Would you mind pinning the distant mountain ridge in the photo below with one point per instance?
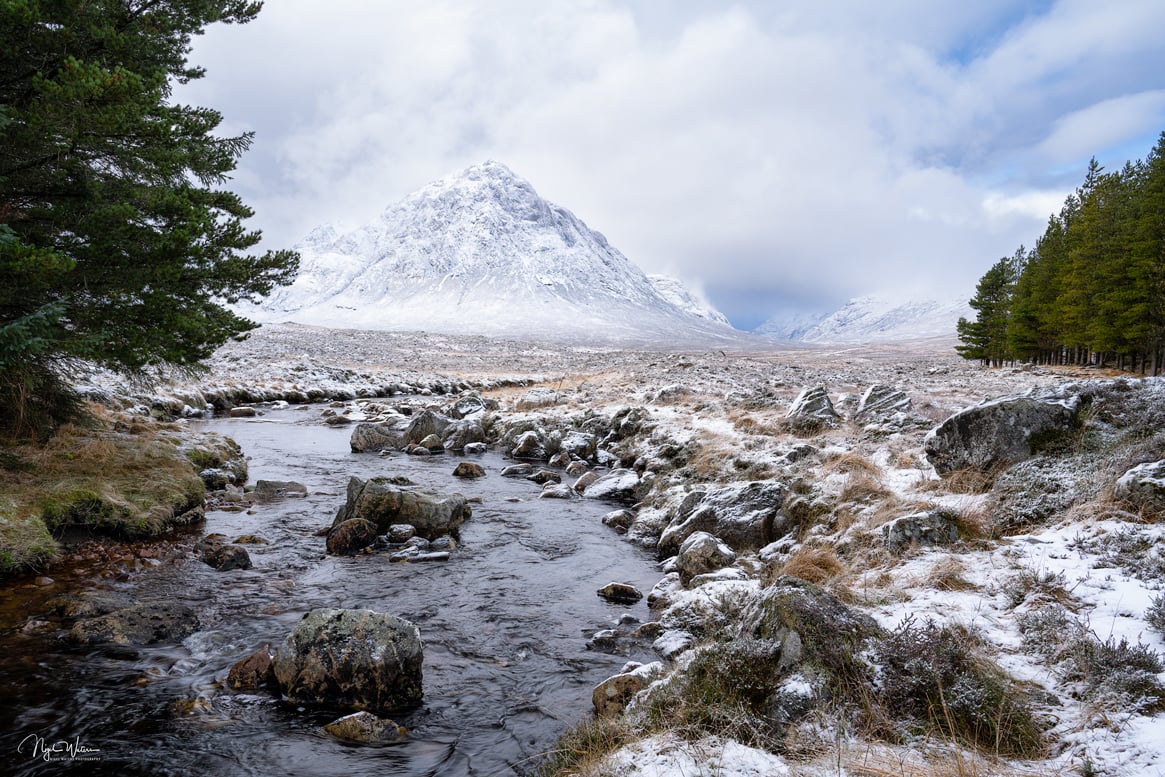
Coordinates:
(480, 252)
(873, 319)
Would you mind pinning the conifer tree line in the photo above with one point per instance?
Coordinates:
(1092, 291)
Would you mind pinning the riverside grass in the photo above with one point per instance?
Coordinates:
(116, 476)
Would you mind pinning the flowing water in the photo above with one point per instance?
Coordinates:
(505, 624)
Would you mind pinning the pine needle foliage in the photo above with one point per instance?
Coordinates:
(118, 244)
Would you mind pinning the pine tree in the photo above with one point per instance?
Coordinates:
(117, 244)
(985, 338)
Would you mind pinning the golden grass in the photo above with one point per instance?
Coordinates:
(102, 477)
(851, 463)
(814, 564)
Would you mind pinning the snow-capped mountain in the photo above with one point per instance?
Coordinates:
(480, 252)
(875, 319)
(677, 293)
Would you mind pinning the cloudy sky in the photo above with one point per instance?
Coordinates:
(781, 156)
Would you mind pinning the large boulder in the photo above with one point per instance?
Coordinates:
(1000, 432)
(580, 445)
(462, 433)
(358, 659)
(424, 424)
(382, 435)
(812, 411)
(746, 516)
(701, 553)
(383, 502)
(349, 537)
(618, 484)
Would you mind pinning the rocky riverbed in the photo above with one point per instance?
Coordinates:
(845, 575)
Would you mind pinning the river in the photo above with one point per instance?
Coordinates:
(505, 624)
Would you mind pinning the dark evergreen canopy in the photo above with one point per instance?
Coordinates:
(118, 243)
(1093, 289)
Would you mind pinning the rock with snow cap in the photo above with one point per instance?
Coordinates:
(812, 410)
(1000, 431)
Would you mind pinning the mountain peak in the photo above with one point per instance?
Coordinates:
(479, 251)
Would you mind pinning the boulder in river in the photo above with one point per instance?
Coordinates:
(358, 659)
(365, 728)
(253, 673)
(351, 536)
(141, 624)
(383, 502)
(426, 424)
(620, 593)
(217, 552)
(468, 469)
(378, 436)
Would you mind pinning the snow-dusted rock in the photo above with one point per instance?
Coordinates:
(1143, 485)
(618, 484)
(1000, 431)
(672, 643)
(929, 527)
(580, 445)
(460, 434)
(701, 553)
(536, 398)
(812, 410)
(528, 445)
(743, 515)
(880, 403)
(612, 695)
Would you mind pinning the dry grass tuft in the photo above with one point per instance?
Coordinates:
(948, 575)
(814, 564)
(746, 423)
(863, 488)
(851, 463)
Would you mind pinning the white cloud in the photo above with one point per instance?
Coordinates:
(764, 149)
(1107, 123)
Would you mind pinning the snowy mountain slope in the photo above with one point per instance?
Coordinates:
(677, 293)
(875, 319)
(481, 253)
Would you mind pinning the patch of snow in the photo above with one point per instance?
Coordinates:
(669, 756)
